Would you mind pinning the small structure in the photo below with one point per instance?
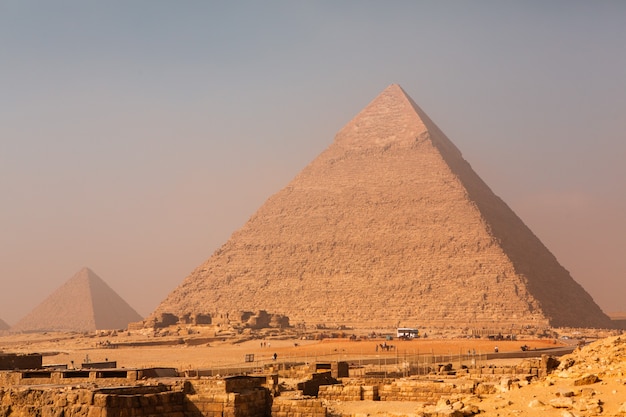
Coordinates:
(99, 365)
(10, 361)
(407, 333)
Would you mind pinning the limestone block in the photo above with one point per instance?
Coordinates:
(85, 396)
(535, 403)
(564, 392)
(591, 405)
(587, 380)
(562, 402)
(51, 411)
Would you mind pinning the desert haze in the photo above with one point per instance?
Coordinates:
(135, 138)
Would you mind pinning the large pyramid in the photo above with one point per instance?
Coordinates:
(84, 303)
(388, 226)
(3, 325)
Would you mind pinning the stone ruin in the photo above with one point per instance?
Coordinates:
(237, 320)
(166, 392)
(444, 389)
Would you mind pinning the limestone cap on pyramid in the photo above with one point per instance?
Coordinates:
(83, 303)
(388, 226)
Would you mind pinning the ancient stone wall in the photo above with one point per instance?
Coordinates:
(236, 397)
(397, 390)
(424, 391)
(216, 404)
(298, 407)
(201, 398)
(485, 371)
(484, 380)
(167, 404)
(340, 392)
(68, 402)
(66, 377)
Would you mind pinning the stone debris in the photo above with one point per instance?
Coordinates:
(562, 402)
(588, 382)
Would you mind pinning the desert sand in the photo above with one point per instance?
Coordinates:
(134, 351)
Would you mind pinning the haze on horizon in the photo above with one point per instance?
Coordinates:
(136, 137)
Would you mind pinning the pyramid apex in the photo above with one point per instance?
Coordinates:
(391, 119)
(394, 87)
(85, 273)
(85, 270)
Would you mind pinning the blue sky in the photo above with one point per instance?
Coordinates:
(135, 137)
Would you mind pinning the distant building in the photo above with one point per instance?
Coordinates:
(407, 333)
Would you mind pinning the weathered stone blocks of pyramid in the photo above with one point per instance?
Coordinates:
(388, 226)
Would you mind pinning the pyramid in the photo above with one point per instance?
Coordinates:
(84, 303)
(388, 226)
(3, 325)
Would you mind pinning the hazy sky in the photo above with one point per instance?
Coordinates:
(135, 137)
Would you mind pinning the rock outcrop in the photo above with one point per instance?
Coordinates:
(388, 226)
(587, 382)
(84, 303)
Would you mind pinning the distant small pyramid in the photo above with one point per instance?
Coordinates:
(388, 226)
(4, 325)
(84, 303)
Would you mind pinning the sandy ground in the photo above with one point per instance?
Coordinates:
(63, 349)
